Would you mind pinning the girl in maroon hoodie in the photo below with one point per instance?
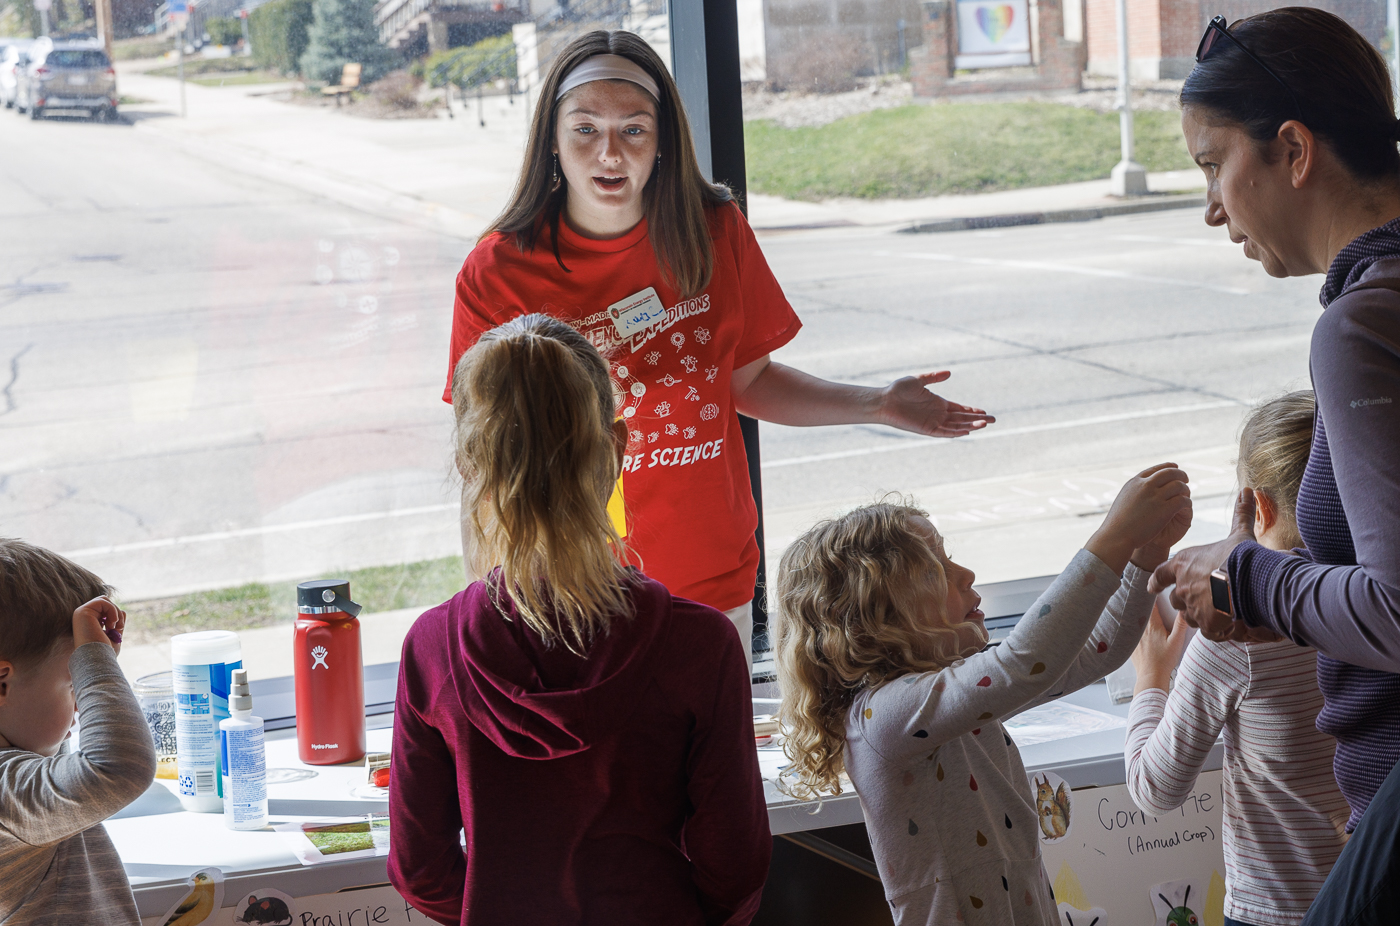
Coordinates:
(586, 733)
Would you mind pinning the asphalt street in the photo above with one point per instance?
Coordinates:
(208, 378)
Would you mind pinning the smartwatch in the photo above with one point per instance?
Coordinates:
(1220, 591)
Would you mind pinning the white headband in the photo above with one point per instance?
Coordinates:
(608, 67)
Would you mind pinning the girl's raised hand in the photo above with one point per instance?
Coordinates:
(1158, 652)
(908, 404)
(1155, 552)
(1141, 514)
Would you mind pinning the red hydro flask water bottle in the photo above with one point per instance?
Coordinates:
(330, 675)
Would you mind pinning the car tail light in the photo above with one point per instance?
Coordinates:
(41, 71)
(111, 72)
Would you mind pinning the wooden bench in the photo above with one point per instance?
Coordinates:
(349, 80)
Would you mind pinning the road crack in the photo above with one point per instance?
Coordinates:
(8, 391)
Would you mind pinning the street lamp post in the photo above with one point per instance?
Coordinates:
(1128, 177)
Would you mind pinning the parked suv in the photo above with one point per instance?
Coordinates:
(64, 75)
(12, 61)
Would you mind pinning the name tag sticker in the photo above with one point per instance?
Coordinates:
(637, 312)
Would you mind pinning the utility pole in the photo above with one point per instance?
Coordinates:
(180, 65)
(102, 9)
(1128, 177)
(179, 13)
(43, 7)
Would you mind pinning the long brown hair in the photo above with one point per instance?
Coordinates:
(535, 447)
(853, 612)
(675, 197)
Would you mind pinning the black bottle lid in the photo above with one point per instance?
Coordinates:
(321, 595)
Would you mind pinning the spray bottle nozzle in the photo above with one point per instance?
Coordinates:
(239, 698)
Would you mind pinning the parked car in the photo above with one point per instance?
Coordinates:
(12, 58)
(67, 76)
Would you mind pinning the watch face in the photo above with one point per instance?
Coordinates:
(1220, 590)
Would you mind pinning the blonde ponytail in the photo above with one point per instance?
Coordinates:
(535, 447)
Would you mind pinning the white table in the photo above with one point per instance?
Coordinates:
(161, 844)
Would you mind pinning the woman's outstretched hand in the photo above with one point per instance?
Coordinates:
(909, 405)
(1190, 571)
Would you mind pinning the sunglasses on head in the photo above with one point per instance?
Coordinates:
(1211, 40)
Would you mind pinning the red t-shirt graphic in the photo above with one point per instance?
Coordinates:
(690, 512)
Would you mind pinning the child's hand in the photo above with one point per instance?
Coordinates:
(1158, 652)
(99, 621)
(1145, 506)
(1155, 552)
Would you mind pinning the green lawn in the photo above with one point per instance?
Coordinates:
(218, 72)
(382, 588)
(927, 150)
(239, 77)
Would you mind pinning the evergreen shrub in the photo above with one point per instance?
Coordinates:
(224, 31)
(343, 32)
(485, 61)
(277, 31)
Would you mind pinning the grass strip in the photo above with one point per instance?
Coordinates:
(220, 67)
(929, 150)
(238, 78)
(380, 588)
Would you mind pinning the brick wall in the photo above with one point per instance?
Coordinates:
(824, 45)
(1059, 66)
(1163, 34)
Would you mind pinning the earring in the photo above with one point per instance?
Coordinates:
(556, 170)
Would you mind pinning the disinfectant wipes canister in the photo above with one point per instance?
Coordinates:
(202, 664)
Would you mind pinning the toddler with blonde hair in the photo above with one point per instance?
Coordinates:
(1284, 816)
(886, 675)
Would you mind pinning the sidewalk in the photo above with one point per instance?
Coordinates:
(453, 175)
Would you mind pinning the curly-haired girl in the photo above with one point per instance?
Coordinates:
(886, 675)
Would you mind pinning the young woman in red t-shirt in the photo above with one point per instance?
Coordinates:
(613, 229)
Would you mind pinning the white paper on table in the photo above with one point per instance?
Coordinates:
(375, 828)
(1059, 720)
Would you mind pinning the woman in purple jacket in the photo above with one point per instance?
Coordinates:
(1291, 116)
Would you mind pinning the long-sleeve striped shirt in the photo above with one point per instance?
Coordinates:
(1284, 817)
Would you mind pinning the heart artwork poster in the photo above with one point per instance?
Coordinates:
(993, 27)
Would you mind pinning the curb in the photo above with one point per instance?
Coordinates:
(1156, 204)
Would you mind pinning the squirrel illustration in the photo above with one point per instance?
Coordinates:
(1053, 808)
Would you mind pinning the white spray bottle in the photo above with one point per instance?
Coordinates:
(244, 760)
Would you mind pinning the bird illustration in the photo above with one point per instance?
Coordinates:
(197, 907)
(1182, 915)
(1053, 808)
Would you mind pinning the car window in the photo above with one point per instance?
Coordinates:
(76, 58)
